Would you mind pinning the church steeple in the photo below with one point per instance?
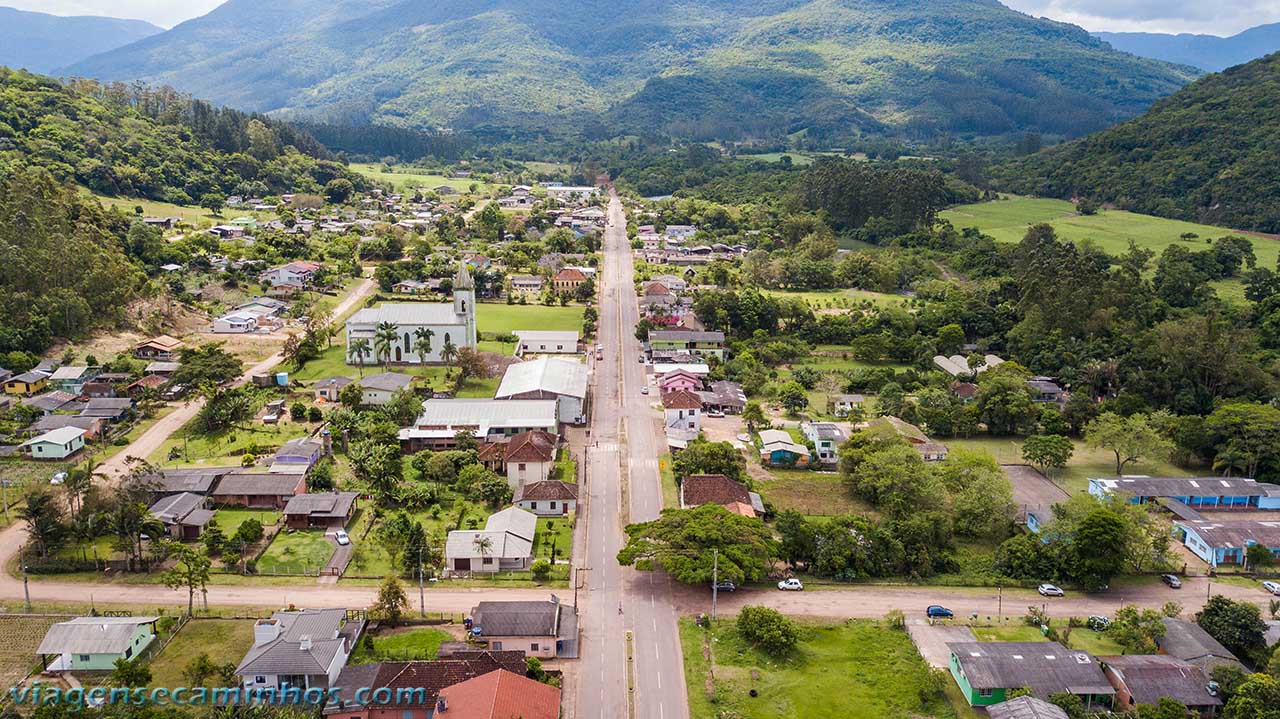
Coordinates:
(463, 281)
(464, 304)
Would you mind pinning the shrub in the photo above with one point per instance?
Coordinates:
(541, 569)
(768, 630)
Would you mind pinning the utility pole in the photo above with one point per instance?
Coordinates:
(26, 590)
(422, 597)
(715, 580)
(999, 604)
(4, 498)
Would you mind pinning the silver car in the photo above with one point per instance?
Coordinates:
(1049, 590)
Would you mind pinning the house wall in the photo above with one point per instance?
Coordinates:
(106, 662)
(222, 326)
(975, 697)
(542, 647)
(26, 388)
(49, 450)
(522, 473)
(545, 508)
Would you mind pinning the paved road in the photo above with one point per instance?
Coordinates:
(151, 440)
(624, 486)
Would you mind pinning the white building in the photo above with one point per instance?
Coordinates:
(378, 389)
(546, 342)
(505, 544)
(487, 419)
(236, 323)
(562, 380)
(453, 324)
(306, 648)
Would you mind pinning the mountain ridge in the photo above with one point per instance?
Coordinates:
(1211, 53)
(831, 67)
(40, 42)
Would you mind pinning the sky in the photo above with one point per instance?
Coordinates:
(1219, 17)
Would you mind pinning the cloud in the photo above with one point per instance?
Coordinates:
(1226, 17)
(165, 13)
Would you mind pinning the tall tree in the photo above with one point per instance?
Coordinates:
(686, 542)
(1130, 439)
(190, 572)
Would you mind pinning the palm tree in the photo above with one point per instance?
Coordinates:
(384, 338)
(1229, 459)
(360, 348)
(483, 544)
(423, 336)
(449, 352)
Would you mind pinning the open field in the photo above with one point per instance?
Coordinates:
(22, 636)
(1111, 230)
(402, 645)
(814, 494)
(1083, 638)
(496, 318)
(297, 552)
(225, 447)
(224, 640)
(855, 669)
(404, 177)
(840, 299)
(1085, 463)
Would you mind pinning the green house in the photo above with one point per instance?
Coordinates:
(988, 672)
(699, 344)
(87, 644)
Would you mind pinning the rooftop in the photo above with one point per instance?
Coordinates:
(1187, 486)
(1044, 667)
(92, 635)
(684, 336)
(518, 618)
(407, 313)
(699, 489)
(546, 374)
(1149, 677)
(1233, 533)
(386, 381)
(501, 694)
(547, 490)
(1026, 708)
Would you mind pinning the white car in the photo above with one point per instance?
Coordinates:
(1049, 590)
(341, 537)
(790, 585)
(644, 390)
(1273, 587)
(714, 413)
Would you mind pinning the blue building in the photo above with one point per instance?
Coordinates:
(1225, 542)
(1195, 492)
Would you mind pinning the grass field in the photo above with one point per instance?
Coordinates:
(403, 178)
(495, 318)
(224, 640)
(1007, 221)
(403, 645)
(301, 552)
(229, 520)
(1085, 463)
(226, 447)
(1082, 638)
(840, 299)
(814, 494)
(855, 669)
(22, 638)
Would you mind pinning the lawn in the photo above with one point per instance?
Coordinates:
(1085, 463)
(224, 640)
(854, 669)
(566, 467)
(670, 492)
(296, 552)
(814, 494)
(404, 177)
(496, 318)
(18, 474)
(402, 645)
(840, 299)
(1082, 638)
(332, 363)
(224, 447)
(229, 520)
(480, 388)
(196, 216)
(557, 533)
(1007, 221)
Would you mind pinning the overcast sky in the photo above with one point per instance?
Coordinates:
(1218, 17)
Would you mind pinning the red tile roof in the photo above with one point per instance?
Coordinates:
(569, 274)
(656, 288)
(535, 446)
(682, 399)
(548, 490)
(501, 695)
(699, 489)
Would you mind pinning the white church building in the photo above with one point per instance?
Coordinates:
(448, 324)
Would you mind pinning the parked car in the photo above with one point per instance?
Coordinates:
(644, 390)
(341, 537)
(1099, 623)
(1273, 587)
(714, 413)
(58, 478)
(1171, 580)
(937, 611)
(790, 585)
(726, 586)
(1049, 590)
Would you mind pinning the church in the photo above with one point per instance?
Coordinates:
(447, 324)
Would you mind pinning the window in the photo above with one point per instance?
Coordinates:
(521, 467)
(985, 692)
(533, 647)
(259, 680)
(534, 505)
(553, 505)
(84, 657)
(128, 652)
(488, 560)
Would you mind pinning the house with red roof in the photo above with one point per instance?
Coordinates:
(500, 694)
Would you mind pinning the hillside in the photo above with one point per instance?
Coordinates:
(40, 42)
(697, 68)
(155, 144)
(1207, 52)
(1206, 154)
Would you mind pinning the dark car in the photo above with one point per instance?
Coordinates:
(937, 611)
(1171, 580)
(726, 586)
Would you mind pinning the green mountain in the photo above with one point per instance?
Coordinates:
(1207, 52)
(1206, 154)
(40, 42)
(692, 68)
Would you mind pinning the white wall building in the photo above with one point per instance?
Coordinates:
(456, 323)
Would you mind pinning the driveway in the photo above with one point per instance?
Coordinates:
(932, 639)
(1032, 491)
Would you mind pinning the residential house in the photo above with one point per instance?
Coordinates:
(1026, 707)
(5, 375)
(987, 672)
(1189, 642)
(161, 369)
(549, 498)
(236, 323)
(324, 510)
(966, 391)
(72, 379)
(258, 490)
(1196, 492)
(680, 380)
(413, 688)
(196, 480)
(682, 412)
(546, 342)
(150, 382)
(452, 324)
(50, 402)
(724, 396)
(778, 449)
(411, 287)
(1147, 678)
(184, 515)
(162, 347)
(329, 388)
(675, 283)
(931, 451)
(27, 383)
(526, 285)
(92, 426)
(701, 344)
(548, 378)
(296, 274)
(529, 457)
(826, 438)
(655, 292)
(306, 649)
(543, 629)
(500, 694)
(111, 409)
(94, 644)
(487, 419)
(378, 389)
(842, 405)
(958, 365)
(680, 232)
(505, 544)
(297, 455)
(1224, 542)
(568, 280)
(699, 489)
(566, 193)
(55, 444)
(1044, 389)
